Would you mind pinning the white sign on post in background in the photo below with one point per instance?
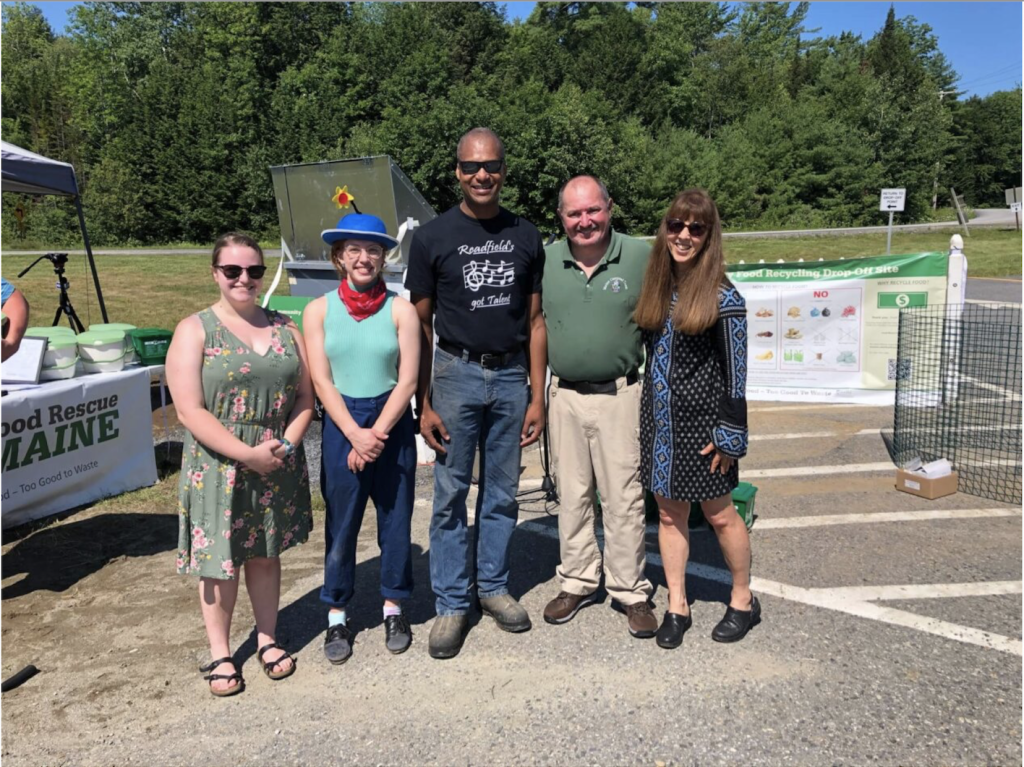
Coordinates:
(892, 200)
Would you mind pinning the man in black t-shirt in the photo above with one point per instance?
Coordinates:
(474, 275)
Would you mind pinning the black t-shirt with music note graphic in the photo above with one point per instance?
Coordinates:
(480, 273)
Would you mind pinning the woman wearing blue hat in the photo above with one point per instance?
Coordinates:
(363, 343)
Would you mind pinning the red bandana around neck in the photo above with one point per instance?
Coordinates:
(365, 304)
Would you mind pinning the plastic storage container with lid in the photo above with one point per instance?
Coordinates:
(61, 351)
(101, 351)
(124, 327)
(150, 344)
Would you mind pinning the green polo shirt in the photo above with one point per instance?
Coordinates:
(591, 333)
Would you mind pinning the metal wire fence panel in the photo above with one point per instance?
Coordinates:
(958, 394)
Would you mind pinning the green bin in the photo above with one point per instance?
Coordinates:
(150, 344)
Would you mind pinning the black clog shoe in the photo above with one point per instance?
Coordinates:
(670, 635)
(736, 623)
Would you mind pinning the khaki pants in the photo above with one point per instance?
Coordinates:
(597, 437)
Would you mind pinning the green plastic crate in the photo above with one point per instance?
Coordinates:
(150, 344)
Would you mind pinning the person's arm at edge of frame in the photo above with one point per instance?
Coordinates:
(16, 308)
(537, 358)
(409, 341)
(185, 381)
(368, 444)
(301, 415)
(430, 422)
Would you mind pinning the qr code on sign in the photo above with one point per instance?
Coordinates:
(898, 370)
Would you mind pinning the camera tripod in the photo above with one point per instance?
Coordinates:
(59, 261)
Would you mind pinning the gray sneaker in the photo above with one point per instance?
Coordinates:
(507, 613)
(446, 636)
(338, 644)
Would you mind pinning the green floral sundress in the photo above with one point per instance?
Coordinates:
(228, 514)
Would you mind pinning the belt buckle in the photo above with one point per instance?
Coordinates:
(486, 360)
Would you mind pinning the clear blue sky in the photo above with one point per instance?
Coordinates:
(981, 40)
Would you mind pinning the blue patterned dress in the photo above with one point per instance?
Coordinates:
(695, 393)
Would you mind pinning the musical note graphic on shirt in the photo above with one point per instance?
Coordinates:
(478, 274)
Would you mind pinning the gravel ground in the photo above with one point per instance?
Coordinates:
(93, 602)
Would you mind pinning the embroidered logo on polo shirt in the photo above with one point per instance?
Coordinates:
(616, 285)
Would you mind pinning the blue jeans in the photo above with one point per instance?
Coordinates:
(390, 482)
(485, 407)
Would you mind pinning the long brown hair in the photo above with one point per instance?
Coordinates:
(697, 305)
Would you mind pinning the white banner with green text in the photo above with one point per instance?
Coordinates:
(826, 331)
(67, 443)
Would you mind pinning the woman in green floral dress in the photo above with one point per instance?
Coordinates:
(241, 386)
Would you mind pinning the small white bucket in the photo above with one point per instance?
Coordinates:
(59, 373)
(109, 366)
(101, 346)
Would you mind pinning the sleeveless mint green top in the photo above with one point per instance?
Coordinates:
(363, 355)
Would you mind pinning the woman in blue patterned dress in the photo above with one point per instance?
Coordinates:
(693, 417)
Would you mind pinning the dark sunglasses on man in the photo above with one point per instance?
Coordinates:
(471, 168)
(234, 271)
(676, 226)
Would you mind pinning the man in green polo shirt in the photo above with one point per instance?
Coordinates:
(591, 286)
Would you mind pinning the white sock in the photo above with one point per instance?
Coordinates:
(392, 610)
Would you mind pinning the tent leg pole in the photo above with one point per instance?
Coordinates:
(92, 262)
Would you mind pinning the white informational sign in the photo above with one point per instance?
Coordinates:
(827, 331)
(893, 200)
(67, 443)
(24, 366)
(1014, 195)
(1015, 207)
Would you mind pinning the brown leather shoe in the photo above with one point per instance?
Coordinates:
(642, 622)
(564, 607)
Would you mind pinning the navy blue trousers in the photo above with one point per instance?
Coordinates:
(390, 482)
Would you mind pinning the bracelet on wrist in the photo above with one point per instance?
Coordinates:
(289, 448)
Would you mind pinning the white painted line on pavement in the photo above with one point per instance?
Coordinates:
(802, 471)
(1014, 396)
(928, 591)
(825, 520)
(814, 435)
(817, 406)
(872, 432)
(828, 599)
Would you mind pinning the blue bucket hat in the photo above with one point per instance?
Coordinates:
(360, 226)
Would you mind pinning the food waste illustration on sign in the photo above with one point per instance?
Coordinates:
(828, 332)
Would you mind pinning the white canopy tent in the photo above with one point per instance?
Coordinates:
(30, 173)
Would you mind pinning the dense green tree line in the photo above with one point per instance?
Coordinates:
(172, 112)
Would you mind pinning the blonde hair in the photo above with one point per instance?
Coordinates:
(697, 285)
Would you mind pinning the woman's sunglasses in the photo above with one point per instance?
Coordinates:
(471, 168)
(234, 271)
(676, 226)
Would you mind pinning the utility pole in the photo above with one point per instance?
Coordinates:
(938, 163)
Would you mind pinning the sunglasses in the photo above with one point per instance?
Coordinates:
(471, 168)
(234, 271)
(675, 226)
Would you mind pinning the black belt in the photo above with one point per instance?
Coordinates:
(597, 387)
(483, 359)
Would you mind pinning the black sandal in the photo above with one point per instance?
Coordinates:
(275, 675)
(211, 678)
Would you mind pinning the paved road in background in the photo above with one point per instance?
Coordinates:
(983, 217)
